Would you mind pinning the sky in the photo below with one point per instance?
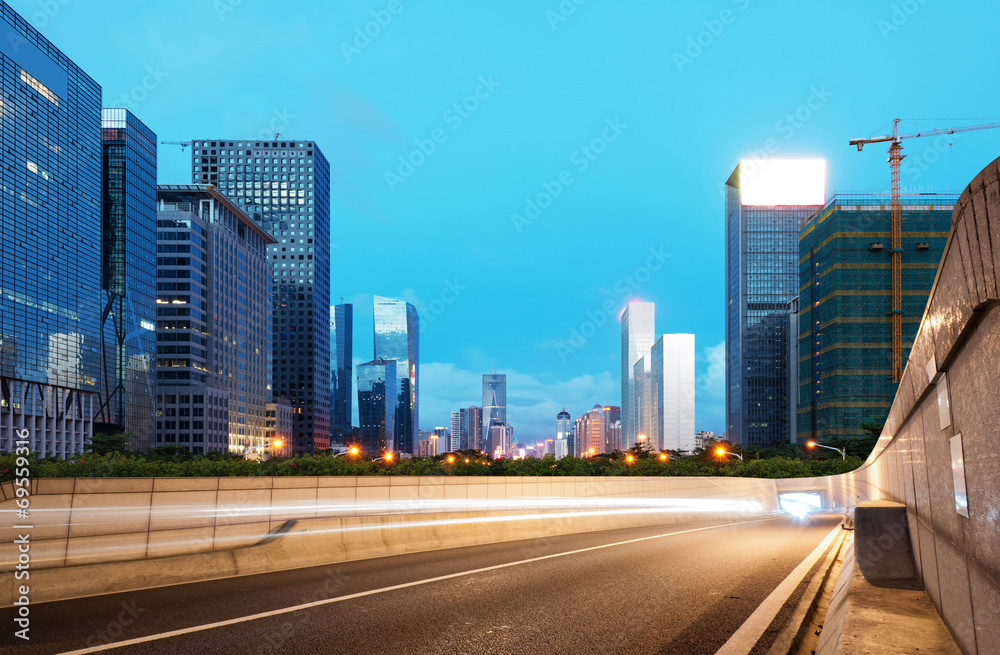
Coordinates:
(520, 170)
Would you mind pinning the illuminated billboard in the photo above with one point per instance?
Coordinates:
(783, 182)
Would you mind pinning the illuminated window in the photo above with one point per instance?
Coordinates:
(38, 86)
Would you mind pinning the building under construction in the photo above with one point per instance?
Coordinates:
(845, 308)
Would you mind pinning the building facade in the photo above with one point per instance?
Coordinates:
(50, 244)
(766, 203)
(845, 278)
(612, 428)
(475, 427)
(213, 322)
(590, 432)
(341, 369)
(285, 187)
(397, 336)
(279, 426)
(672, 393)
(128, 280)
(377, 404)
(637, 336)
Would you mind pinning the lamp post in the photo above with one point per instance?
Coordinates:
(842, 451)
(353, 450)
(250, 450)
(388, 457)
(722, 451)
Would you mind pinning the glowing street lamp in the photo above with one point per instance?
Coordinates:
(664, 457)
(842, 451)
(722, 452)
(353, 451)
(252, 449)
(388, 457)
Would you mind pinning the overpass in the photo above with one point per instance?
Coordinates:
(938, 460)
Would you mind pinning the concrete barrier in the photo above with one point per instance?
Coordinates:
(882, 541)
(110, 535)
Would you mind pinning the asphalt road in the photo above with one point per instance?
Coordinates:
(683, 593)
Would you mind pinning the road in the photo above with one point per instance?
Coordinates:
(681, 588)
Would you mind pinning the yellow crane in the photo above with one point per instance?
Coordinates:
(896, 156)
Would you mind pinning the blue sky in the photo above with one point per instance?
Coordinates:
(629, 115)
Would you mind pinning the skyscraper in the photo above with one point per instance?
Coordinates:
(213, 326)
(672, 392)
(459, 427)
(642, 397)
(637, 336)
(494, 404)
(766, 202)
(397, 336)
(564, 424)
(50, 243)
(128, 266)
(285, 187)
(377, 404)
(475, 428)
(590, 432)
(845, 332)
(341, 368)
(612, 428)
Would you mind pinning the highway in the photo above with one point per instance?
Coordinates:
(680, 588)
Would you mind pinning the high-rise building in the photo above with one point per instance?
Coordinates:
(642, 396)
(397, 336)
(766, 201)
(637, 336)
(475, 428)
(612, 436)
(564, 425)
(459, 426)
(213, 322)
(377, 405)
(494, 404)
(285, 187)
(845, 332)
(341, 369)
(672, 392)
(501, 440)
(590, 432)
(278, 426)
(50, 243)
(128, 267)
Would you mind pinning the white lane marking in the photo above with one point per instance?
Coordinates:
(372, 592)
(744, 639)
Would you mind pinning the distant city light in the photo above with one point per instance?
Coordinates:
(783, 182)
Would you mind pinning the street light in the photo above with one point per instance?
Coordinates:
(251, 449)
(664, 457)
(387, 457)
(722, 451)
(842, 451)
(353, 450)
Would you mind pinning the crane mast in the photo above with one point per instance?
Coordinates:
(896, 157)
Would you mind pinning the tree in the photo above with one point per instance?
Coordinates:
(104, 444)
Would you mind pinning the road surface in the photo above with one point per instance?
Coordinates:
(681, 588)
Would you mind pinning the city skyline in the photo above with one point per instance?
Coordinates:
(806, 108)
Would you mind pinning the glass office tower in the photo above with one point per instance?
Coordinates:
(397, 336)
(766, 202)
(341, 369)
(285, 187)
(637, 336)
(50, 243)
(494, 406)
(377, 406)
(128, 261)
(845, 333)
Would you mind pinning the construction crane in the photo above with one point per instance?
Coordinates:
(896, 156)
(185, 144)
